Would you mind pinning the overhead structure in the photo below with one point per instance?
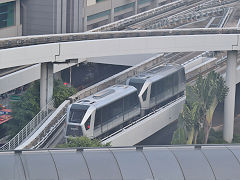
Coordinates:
(59, 48)
(173, 162)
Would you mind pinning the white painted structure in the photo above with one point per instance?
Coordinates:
(120, 43)
(59, 52)
(26, 75)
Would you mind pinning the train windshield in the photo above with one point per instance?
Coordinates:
(77, 113)
(138, 84)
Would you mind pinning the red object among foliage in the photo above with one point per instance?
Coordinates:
(5, 115)
(5, 112)
(5, 118)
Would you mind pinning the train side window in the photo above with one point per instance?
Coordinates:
(175, 79)
(153, 90)
(144, 96)
(130, 101)
(106, 114)
(182, 76)
(87, 123)
(117, 107)
(98, 118)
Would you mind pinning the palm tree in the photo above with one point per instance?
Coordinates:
(189, 121)
(210, 91)
(201, 102)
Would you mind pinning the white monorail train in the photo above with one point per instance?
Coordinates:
(108, 110)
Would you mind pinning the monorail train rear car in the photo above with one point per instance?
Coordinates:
(159, 85)
(98, 114)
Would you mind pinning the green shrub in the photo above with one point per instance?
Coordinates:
(82, 141)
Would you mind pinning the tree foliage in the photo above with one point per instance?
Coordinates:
(24, 109)
(189, 120)
(83, 141)
(201, 102)
(61, 92)
(29, 104)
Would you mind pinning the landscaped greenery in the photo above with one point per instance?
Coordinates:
(29, 105)
(195, 122)
(83, 141)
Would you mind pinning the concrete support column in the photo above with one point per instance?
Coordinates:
(17, 13)
(64, 16)
(75, 16)
(84, 15)
(58, 17)
(112, 12)
(17, 18)
(229, 102)
(136, 6)
(46, 84)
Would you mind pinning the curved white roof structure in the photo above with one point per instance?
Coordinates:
(169, 163)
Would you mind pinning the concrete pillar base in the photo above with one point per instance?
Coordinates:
(229, 102)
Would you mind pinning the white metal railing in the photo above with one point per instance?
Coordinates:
(30, 127)
(184, 18)
(47, 134)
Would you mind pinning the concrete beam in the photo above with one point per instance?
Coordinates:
(147, 45)
(85, 45)
(28, 55)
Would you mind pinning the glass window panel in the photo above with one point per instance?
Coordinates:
(112, 110)
(39, 165)
(98, 15)
(153, 90)
(120, 8)
(116, 107)
(102, 165)
(144, 96)
(223, 162)
(7, 14)
(143, 1)
(106, 114)
(201, 170)
(163, 164)
(133, 165)
(98, 119)
(87, 123)
(11, 167)
(130, 101)
(76, 116)
(138, 84)
(3, 8)
(70, 165)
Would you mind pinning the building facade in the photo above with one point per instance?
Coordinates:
(36, 17)
(10, 18)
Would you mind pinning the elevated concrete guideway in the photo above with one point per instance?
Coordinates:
(58, 48)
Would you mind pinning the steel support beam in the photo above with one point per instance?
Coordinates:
(229, 103)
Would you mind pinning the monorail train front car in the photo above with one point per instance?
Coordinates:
(98, 114)
(159, 85)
